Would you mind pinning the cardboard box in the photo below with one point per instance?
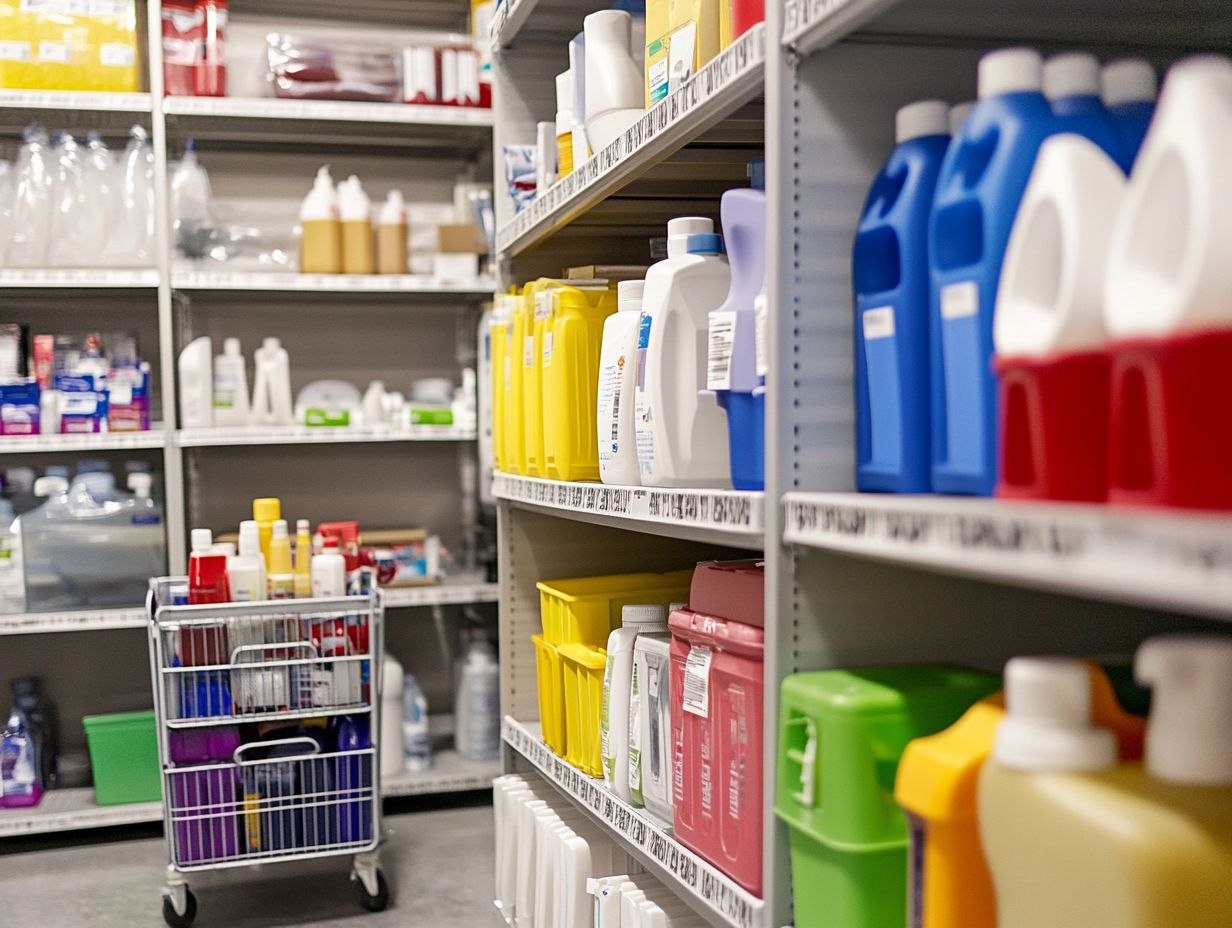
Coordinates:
(691, 39)
(460, 238)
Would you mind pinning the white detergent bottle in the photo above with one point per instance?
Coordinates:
(617, 684)
(374, 405)
(196, 384)
(271, 394)
(617, 378)
(230, 385)
(246, 571)
(681, 436)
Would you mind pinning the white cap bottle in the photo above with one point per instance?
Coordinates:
(1071, 74)
(1010, 70)
(679, 230)
(922, 118)
(391, 236)
(320, 247)
(355, 210)
(246, 571)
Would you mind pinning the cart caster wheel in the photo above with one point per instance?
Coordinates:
(377, 903)
(176, 919)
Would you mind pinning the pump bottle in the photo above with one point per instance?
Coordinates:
(320, 246)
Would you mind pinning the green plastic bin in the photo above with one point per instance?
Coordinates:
(124, 756)
(841, 735)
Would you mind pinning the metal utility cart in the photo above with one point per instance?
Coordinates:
(268, 735)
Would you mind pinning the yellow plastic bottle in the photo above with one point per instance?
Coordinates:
(280, 574)
(498, 330)
(570, 346)
(1074, 840)
(303, 560)
(537, 307)
(950, 886)
(265, 512)
(519, 326)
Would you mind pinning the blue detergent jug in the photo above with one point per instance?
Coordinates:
(891, 278)
(1129, 90)
(731, 370)
(982, 180)
(1072, 88)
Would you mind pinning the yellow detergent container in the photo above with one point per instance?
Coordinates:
(498, 332)
(537, 310)
(570, 346)
(514, 433)
(950, 886)
(1073, 839)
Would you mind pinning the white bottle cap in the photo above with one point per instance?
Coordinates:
(353, 203)
(280, 528)
(1009, 70)
(393, 210)
(271, 343)
(45, 486)
(231, 346)
(321, 203)
(924, 117)
(302, 525)
(1047, 726)
(1071, 74)
(629, 294)
(643, 615)
(141, 485)
(1189, 734)
(958, 115)
(202, 539)
(679, 230)
(250, 538)
(1129, 80)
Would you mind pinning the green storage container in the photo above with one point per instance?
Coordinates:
(841, 735)
(124, 756)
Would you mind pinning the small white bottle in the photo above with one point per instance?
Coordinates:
(617, 681)
(393, 680)
(617, 377)
(246, 571)
(320, 244)
(374, 405)
(355, 209)
(231, 386)
(329, 571)
(271, 395)
(196, 384)
(416, 738)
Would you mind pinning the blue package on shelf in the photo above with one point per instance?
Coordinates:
(982, 180)
(19, 408)
(83, 406)
(892, 286)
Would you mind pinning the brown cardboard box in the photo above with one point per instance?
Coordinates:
(461, 238)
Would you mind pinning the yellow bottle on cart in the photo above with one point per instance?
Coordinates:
(937, 781)
(513, 433)
(572, 339)
(1074, 839)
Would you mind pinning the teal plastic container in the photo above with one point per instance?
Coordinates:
(124, 757)
(841, 735)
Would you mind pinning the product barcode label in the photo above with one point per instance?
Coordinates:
(878, 323)
(115, 55)
(960, 300)
(616, 418)
(58, 52)
(761, 308)
(544, 304)
(719, 356)
(14, 51)
(548, 341)
(528, 351)
(697, 680)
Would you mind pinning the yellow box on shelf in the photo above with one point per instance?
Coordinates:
(69, 45)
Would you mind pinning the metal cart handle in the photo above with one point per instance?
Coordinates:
(274, 646)
(301, 739)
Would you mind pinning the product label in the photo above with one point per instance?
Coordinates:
(611, 387)
(719, 354)
(878, 323)
(697, 680)
(115, 55)
(605, 725)
(738, 757)
(548, 341)
(14, 51)
(528, 351)
(635, 731)
(657, 72)
(545, 304)
(680, 54)
(960, 300)
(642, 409)
(58, 52)
(762, 315)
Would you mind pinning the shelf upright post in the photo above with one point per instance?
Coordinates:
(173, 462)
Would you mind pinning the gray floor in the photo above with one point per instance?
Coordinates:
(438, 863)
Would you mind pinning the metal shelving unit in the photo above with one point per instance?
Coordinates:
(401, 285)
(75, 101)
(274, 436)
(82, 620)
(87, 278)
(155, 437)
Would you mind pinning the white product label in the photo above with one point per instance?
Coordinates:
(697, 680)
(108, 7)
(658, 79)
(115, 55)
(14, 51)
(680, 54)
(528, 351)
(548, 342)
(58, 52)
(545, 304)
(761, 309)
(606, 754)
(611, 394)
(878, 323)
(635, 729)
(643, 413)
(721, 345)
(960, 300)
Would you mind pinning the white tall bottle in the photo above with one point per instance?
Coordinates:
(477, 706)
(230, 385)
(616, 100)
(681, 436)
(393, 678)
(246, 571)
(196, 384)
(329, 571)
(271, 394)
(617, 380)
(617, 682)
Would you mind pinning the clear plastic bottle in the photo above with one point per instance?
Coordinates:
(67, 205)
(415, 738)
(190, 203)
(32, 203)
(131, 243)
(477, 705)
(100, 199)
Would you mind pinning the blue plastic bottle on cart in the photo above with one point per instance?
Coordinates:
(731, 370)
(982, 180)
(1072, 89)
(890, 273)
(1129, 91)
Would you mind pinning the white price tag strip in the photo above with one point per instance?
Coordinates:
(729, 74)
(77, 277)
(726, 900)
(724, 510)
(38, 622)
(804, 16)
(1169, 559)
(343, 111)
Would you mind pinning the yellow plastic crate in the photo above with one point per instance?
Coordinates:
(550, 675)
(584, 610)
(583, 666)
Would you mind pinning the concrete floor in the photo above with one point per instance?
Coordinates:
(438, 864)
